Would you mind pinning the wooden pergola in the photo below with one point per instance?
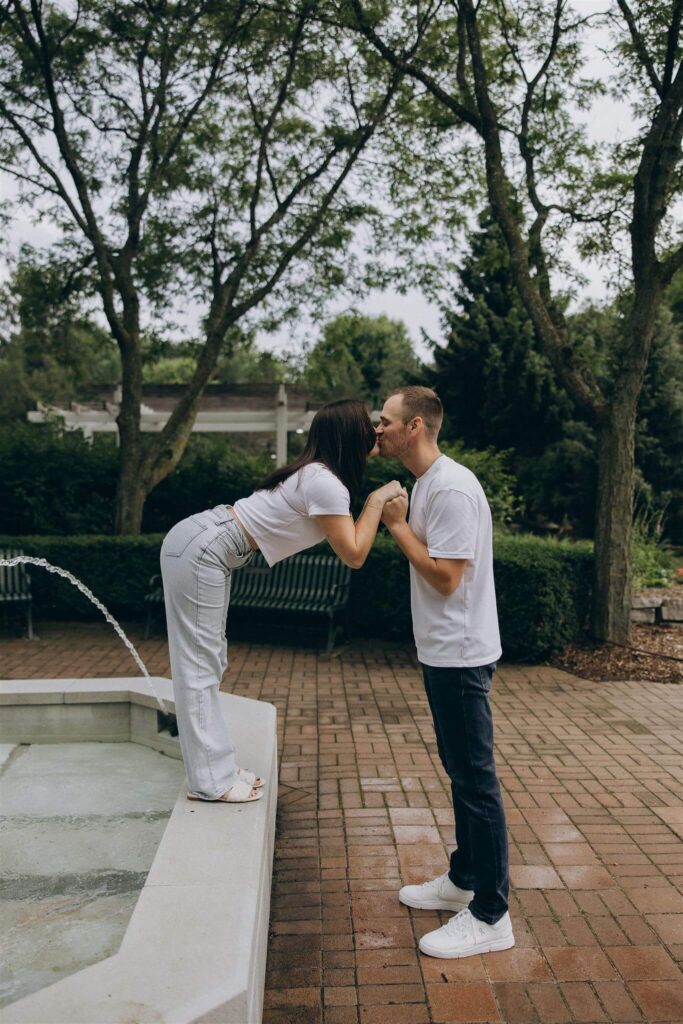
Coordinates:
(274, 416)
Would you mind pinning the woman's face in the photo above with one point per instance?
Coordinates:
(374, 450)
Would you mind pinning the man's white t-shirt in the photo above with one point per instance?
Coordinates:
(450, 514)
(280, 521)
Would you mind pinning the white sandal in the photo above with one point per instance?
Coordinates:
(246, 775)
(240, 793)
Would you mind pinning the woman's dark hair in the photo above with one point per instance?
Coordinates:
(341, 437)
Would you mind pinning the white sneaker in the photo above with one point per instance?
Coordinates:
(465, 935)
(438, 894)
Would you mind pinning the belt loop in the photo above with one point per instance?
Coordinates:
(223, 514)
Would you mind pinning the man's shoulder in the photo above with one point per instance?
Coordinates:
(453, 476)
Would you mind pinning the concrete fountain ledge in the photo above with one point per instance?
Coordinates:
(195, 947)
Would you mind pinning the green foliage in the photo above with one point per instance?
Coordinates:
(204, 161)
(652, 562)
(361, 357)
(542, 586)
(211, 473)
(167, 362)
(116, 569)
(54, 482)
(492, 377)
(543, 593)
(169, 370)
(492, 469)
(499, 390)
(51, 350)
(653, 565)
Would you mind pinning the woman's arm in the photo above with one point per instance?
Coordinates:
(352, 541)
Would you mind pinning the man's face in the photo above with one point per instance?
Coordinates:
(392, 433)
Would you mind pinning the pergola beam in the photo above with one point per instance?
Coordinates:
(277, 420)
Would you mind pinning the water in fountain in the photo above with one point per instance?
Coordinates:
(43, 564)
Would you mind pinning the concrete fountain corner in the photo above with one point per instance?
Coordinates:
(195, 946)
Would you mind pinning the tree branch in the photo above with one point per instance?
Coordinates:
(672, 44)
(59, 189)
(671, 265)
(41, 52)
(224, 313)
(277, 107)
(404, 66)
(640, 46)
(581, 384)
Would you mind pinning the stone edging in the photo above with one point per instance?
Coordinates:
(648, 609)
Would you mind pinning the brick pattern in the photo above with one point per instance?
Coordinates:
(592, 782)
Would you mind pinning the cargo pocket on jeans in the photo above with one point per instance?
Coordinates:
(181, 535)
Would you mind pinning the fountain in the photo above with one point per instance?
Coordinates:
(194, 947)
(42, 563)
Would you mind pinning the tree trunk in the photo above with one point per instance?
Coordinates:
(131, 494)
(131, 486)
(614, 522)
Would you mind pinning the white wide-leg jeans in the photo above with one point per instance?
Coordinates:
(197, 559)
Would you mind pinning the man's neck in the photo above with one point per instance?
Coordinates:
(420, 459)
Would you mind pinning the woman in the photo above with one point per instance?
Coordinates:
(296, 507)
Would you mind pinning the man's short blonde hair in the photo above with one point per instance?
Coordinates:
(419, 401)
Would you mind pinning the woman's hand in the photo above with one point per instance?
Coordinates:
(385, 493)
(352, 541)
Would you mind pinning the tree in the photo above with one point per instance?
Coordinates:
(512, 72)
(190, 153)
(499, 390)
(51, 349)
(361, 356)
(497, 386)
(169, 362)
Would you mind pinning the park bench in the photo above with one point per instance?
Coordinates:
(15, 587)
(307, 583)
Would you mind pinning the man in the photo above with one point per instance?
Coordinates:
(448, 542)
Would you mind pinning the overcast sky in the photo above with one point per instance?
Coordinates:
(608, 120)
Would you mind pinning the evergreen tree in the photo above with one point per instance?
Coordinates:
(499, 390)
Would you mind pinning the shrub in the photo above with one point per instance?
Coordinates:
(55, 483)
(543, 590)
(116, 569)
(212, 472)
(542, 586)
(653, 565)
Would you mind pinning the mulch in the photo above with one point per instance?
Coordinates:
(655, 654)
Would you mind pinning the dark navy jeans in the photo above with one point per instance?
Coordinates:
(459, 701)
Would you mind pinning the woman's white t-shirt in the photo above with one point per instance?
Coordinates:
(281, 521)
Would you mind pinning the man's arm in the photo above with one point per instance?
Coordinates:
(444, 574)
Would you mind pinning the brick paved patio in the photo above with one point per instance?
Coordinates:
(593, 783)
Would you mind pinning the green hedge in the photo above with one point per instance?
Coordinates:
(116, 569)
(55, 483)
(543, 586)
